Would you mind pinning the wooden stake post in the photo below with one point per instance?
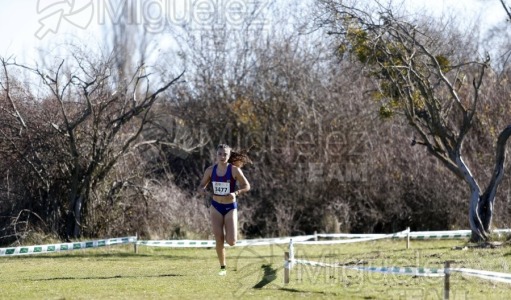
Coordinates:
(135, 246)
(286, 267)
(447, 272)
(408, 238)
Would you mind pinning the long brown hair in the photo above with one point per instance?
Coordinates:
(238, 158)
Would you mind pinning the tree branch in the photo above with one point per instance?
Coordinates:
(506, 9)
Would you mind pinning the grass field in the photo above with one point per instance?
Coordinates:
(256, 272)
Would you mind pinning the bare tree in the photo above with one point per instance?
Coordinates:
(96, 121)
(420, 77)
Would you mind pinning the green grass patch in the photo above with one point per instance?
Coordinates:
(253, 272)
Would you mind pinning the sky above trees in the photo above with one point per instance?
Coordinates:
(35, 27)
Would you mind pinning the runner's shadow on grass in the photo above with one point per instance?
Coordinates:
(269, 276)
(104, 277)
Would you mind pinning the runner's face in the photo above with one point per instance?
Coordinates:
(223, 155)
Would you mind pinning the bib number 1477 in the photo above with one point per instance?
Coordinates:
(222, 188)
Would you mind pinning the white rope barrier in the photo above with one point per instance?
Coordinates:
(420, 235)
(489, 275)
(386, 270)
(178, 243)
(425, 272)
(336, 238)
(273, 241)
(402, 234)
(52, 248)
(349, 235)
(290, 261)
(211, 243)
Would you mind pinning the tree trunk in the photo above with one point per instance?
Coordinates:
(481, 208)
(78, 217)
(485, 211)
(74, 218)
(476, 225)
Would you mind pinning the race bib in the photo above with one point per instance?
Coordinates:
(221, 188)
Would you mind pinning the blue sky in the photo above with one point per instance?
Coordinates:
(29, 25)
(25, 29)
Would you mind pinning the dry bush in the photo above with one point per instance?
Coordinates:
(153, 210)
